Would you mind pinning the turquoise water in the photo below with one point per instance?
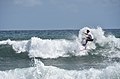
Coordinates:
(45, 54)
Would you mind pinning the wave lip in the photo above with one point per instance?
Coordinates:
(46, 48)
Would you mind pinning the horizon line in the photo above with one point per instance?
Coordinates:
(51, 29)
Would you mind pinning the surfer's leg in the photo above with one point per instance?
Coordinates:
(89, 39)
(86, 44)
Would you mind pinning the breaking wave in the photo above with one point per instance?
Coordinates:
(106, 45)
(101, 60)
(39, 71)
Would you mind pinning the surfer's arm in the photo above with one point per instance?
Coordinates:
(85, 33)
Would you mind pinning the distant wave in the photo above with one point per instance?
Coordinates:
(46, 48)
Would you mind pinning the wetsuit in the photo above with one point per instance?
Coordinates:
(88, 37)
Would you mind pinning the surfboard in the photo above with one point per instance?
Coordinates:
(82, 48)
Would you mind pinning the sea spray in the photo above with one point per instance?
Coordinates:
(50, 58)
(48, 48)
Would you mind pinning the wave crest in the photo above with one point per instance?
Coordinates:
(47, 48)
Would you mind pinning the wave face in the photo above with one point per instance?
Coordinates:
(49, 54)
(47, 48)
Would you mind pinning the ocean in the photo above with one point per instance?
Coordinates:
(57, 54)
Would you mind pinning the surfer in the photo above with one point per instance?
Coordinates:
(87, 37)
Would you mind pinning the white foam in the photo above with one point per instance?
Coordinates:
(49, 72)
(47, 48)
(110, 43)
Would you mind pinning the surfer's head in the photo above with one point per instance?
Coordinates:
(88, 31)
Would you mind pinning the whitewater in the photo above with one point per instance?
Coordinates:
(63, 58)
